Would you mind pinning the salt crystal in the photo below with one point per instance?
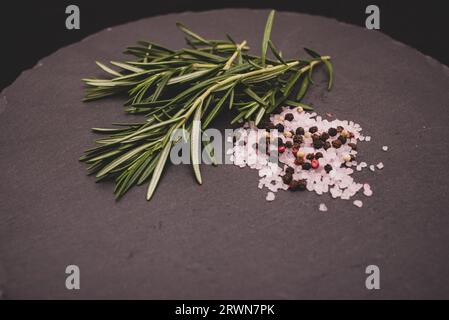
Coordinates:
(367, 138)
(367, 190)
(371, 167)
(322, 207)
(385, 148)
(358, 203)
(270, 196)
(380, 165)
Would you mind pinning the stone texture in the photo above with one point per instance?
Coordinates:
(222, 239)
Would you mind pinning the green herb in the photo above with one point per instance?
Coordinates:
(187, 89)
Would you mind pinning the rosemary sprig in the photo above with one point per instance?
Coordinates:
(188, 88)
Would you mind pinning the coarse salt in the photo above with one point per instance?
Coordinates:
(270, 196)
(337, 181)
(322, 207)
(358, 203)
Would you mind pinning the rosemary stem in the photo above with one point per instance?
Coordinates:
(234, 55)
(239, 77)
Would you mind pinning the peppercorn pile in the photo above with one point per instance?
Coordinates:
(300, 151)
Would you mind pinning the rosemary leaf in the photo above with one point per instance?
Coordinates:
(158, 170)
(195, 144)
(266, 37)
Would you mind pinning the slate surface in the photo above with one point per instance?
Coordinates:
(223, 240)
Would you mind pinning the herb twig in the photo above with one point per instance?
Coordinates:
(187, 88)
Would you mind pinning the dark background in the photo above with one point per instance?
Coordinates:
(31, 30)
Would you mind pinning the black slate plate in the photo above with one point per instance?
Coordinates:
(222, 239)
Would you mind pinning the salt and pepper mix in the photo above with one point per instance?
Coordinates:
(300, 151)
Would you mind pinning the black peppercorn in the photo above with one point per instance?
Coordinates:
(353, 146)
(293, 185)
(297, 138)
(298, 185)
(317, 144)
(310, 156)
(324, 136)
(287, 178)
(332, 132)
(290, 170)
(289, 117)
(299, 161)
(328, 168)
(302, 185)
(306, 166)
(315, 136)
(336, 144)
(342, 139)
(327, 145)
(289, 144)
(313, 129)
(300, 131)
(318, 155)
(280, 127)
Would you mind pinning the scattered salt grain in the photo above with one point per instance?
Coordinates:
(322, 207)
(368, 138)
(380, 165)
(358, 203)
(372, 168)
(270, 196)
(367, 190)
(385, 148)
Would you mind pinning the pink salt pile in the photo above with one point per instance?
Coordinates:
(298, 150)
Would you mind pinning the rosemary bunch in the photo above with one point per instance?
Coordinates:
(187, 89)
